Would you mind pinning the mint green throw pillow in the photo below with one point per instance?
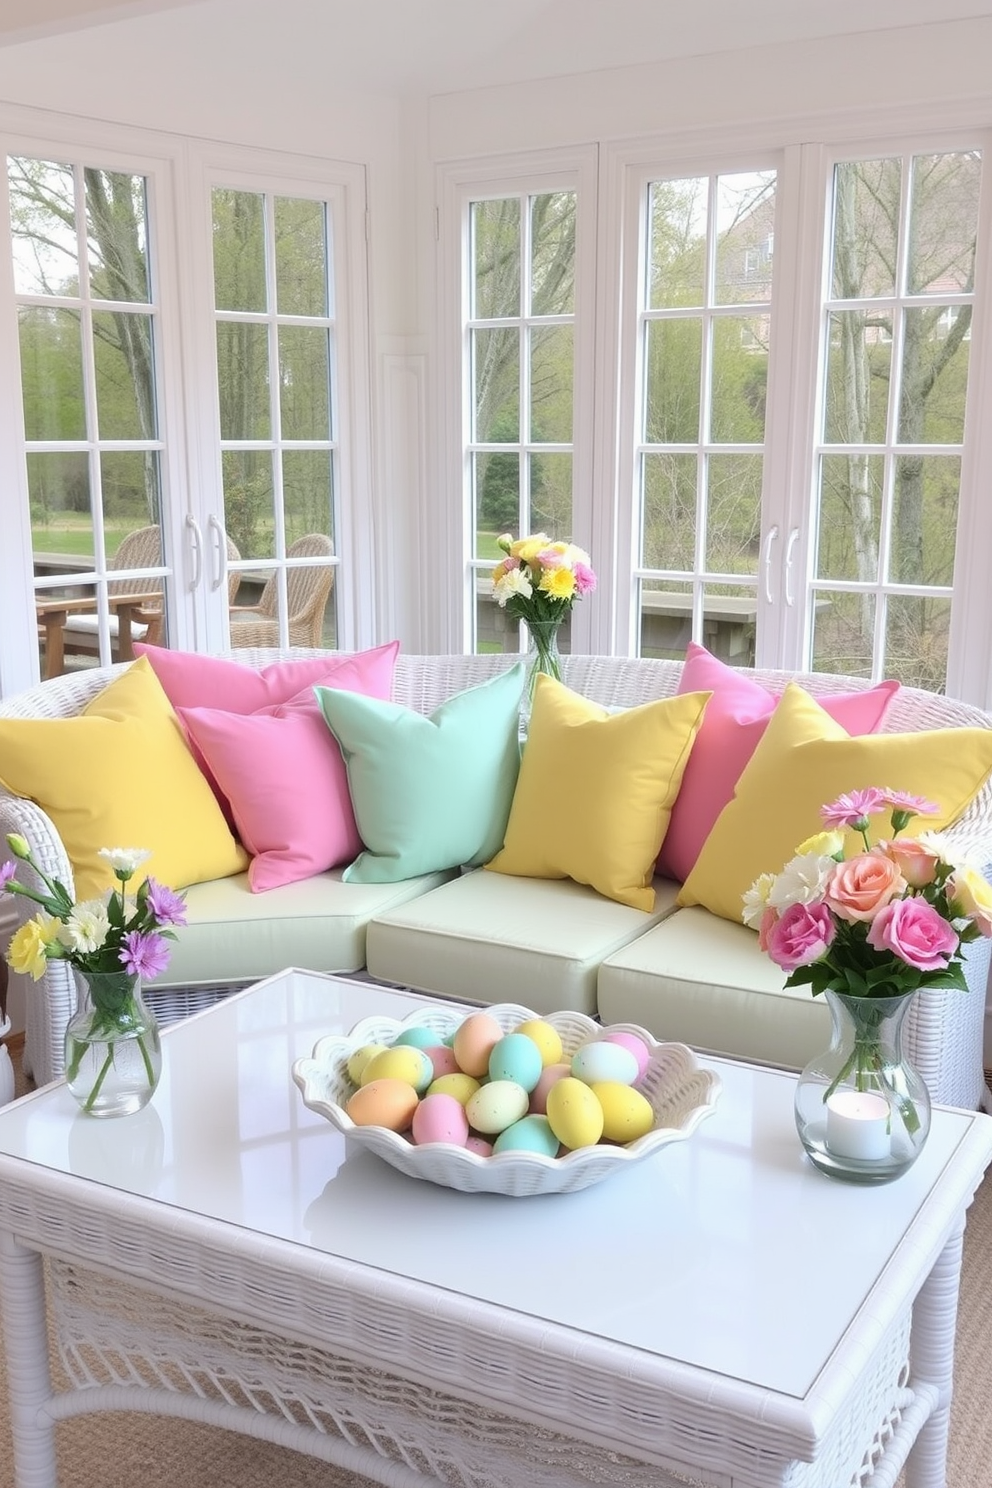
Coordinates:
(428, 792)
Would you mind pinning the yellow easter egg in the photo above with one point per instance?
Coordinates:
(545, 1037)
(359, 1058)
(462, 1087)
(401, 1062)
(627, 1114)
(574, 1114)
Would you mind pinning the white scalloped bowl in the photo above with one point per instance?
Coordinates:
(680, 1092)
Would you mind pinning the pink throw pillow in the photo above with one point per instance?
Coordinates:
(735, 719)
(191, 679)
(284, 777)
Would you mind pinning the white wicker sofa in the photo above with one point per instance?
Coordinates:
(549, 944)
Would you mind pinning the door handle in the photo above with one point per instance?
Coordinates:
(195, 550)
(793, 539)
(219, 545)
(769, 541)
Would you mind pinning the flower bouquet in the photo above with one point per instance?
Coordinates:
(538, 582)
(869, 930)
(112, 1055)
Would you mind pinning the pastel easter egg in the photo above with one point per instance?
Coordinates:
(418, 1036)
(529, 1134)
(496, 1106)
(389, 1103)
(462, 1087)
(479, 1146)
(548, 1077)
(627, 1114)
(547, 1039)
(632, 1041)
(442, 1057)
(602, 1061)
(359, 1058)
(516, 1057)
(574, 1114)
(440, 1118)
(402, 1062)
(473, 1043)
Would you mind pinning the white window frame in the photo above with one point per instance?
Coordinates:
(458, 185)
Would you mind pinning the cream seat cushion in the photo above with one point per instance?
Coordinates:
(700, 980)
(495, 937)
(233, 935)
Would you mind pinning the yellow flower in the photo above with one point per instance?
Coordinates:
(527, 548)
(823, 844)
(558, 582)
(26, 953)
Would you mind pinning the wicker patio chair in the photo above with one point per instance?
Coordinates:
(307, 592)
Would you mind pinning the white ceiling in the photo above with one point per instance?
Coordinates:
(443, 45)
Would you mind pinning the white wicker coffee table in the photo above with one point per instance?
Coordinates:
(722, 1311)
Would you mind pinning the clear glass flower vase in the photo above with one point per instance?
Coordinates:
(542, 656)
(113, 1052)
(862, 1109)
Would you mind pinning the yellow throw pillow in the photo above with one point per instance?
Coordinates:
(805, 760)
(120, 775)
(595, 791)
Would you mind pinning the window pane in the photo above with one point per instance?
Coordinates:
(551, 379)
(301, 257)
(308, 495)
(496, 258)
(125, 378)
(117, 236)
(674, 363)
(52, 373)
(496, 363)
(859, 360)
(934, 375)
(677, 245)
(249, 502)
(239, 250)
(243, 381)
(740, 379)
(61, 520)
(850, 517)
(497, 499)
(746, 238)
(665, 608)
(943, 223)
(304, 382)
(552, 254)
(843, 633)
(551, 495)
(668, 539)
(733, 526)
(132, 495)
(43, 227)
(925, 519)
(867, 195)
(916, 635)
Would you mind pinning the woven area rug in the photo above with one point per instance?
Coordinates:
(137, 1451)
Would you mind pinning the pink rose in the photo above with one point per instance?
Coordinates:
(858, 888)
(916, 862)
(799, 936)
(913, 930)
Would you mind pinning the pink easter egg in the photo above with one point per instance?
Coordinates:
(636, 1045)
(443, 1059)
(440, 1118)
(539, 1095)
(480, 1146)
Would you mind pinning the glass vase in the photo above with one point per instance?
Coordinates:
(113, 1053)
(862, 1110)
(542, 656)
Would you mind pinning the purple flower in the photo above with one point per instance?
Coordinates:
(168, 907)
(7, 871)
(585, 579)
(853, 809)
(145, 954)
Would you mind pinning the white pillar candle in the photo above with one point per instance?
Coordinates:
(858, 1125)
